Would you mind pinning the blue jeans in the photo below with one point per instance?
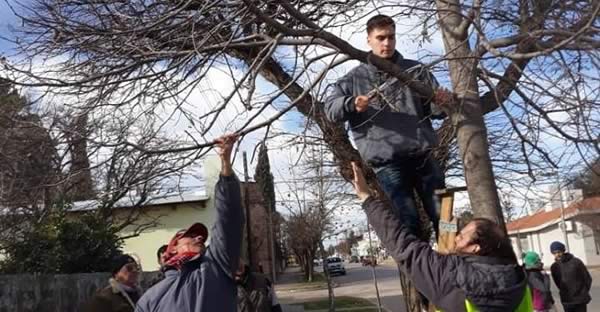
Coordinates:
(402, 178)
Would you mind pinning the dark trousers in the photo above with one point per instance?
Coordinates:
(575, 308)
(402, 178)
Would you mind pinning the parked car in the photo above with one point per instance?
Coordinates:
(369, 260)
(354, 259)
(335, 265)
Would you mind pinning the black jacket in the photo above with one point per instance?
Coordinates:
(491, 284)
(396, 125)
(572, 279)
(256, 294)
(112, 298)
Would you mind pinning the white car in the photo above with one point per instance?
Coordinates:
(335, 265)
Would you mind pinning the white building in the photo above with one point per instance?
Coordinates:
(537, 231)
(362, 247)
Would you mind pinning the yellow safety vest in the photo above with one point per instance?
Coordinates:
(526, 304)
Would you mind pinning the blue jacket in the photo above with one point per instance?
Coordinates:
(205, 283)
(396, 124)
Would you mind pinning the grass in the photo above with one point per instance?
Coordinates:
(341, 303)
(317, 278)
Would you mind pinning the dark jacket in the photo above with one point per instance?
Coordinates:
(396, 125)
(256, 294)
(491, 284)
(572, 279)
(113, 298)
(206, 283)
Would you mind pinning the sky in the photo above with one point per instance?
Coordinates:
(282, 155)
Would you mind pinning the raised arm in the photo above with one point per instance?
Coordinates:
(434, 275)
(226, 241)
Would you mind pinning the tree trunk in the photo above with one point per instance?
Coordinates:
(81, 184)
(330, 294)
(468, 116)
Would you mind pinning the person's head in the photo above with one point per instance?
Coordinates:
(381, 35)
(160, 254)
(532, 261)
(125, 270)
(558, 250)
(483, 237)
(188, 241)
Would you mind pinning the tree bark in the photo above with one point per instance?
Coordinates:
(468, 116)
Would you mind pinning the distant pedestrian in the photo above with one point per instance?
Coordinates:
(572, 279)
(539, 282)
(160, 255)
(160, 258)
(122, 293)
(255, 291)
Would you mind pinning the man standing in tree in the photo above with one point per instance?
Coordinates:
(391, 125)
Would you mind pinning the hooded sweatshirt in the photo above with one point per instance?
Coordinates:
(491, 284)
(396, 124)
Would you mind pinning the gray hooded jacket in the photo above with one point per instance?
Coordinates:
(397, 122)
(205, 283)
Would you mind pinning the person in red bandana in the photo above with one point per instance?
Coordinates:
(200, 278)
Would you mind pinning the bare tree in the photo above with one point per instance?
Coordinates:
(45, 171)
(532, 65)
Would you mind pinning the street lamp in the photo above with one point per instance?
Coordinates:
(562, 224)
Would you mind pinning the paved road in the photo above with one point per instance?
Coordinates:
(358, 282)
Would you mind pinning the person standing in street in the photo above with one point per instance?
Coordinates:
(539, 282)
(572, 279)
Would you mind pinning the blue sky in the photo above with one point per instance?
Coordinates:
(6, 18)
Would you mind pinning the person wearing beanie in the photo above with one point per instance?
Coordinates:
(200, 278)
(572, 279)
(538, 281)
(122, 291)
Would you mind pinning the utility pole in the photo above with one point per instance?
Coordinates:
(247, 206)
(563, 224)
(271, 241)
(373, 268)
